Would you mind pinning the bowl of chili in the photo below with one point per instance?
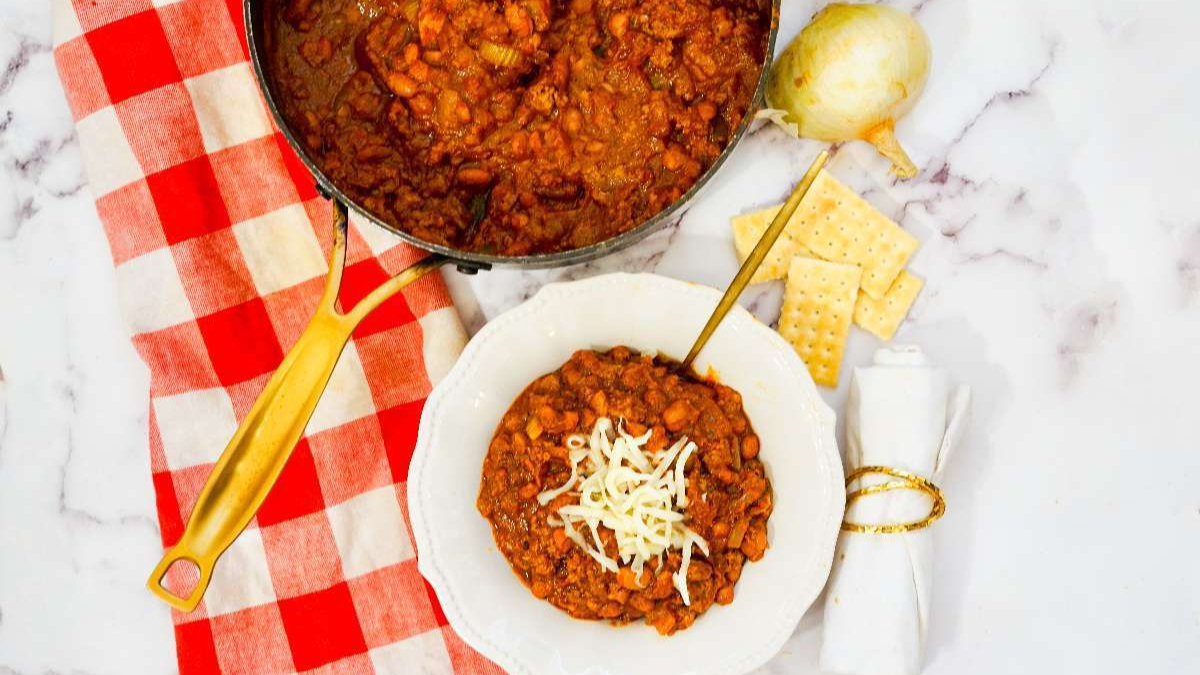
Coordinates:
(487, 579)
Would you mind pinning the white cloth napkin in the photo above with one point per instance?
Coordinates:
(902, 414)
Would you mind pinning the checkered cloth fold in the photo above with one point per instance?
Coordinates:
(220, 244)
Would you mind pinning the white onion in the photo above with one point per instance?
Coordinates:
(850, 74)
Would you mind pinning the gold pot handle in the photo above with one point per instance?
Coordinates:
(256, 454)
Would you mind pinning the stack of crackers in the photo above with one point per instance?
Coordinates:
(843, 261)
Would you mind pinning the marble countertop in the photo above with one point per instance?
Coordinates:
(1061, 243)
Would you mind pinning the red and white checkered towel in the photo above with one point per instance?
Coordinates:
(221, 244)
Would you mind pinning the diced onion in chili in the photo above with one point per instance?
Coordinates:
(410, 10)
(636, 494)
(535, 10)
(498, 54)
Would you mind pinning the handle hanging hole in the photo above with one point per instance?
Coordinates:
(181, 577)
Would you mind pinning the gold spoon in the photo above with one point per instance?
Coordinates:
(756, 257)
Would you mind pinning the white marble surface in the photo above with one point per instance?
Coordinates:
(1061, 228)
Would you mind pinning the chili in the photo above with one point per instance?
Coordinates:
(578, 119)
(729, 495)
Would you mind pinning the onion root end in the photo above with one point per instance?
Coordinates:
(883, 137)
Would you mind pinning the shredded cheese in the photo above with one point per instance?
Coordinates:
(636, 494)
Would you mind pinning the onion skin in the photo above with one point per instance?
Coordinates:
(850, 74)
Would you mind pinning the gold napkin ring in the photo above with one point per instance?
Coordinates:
(908, 481)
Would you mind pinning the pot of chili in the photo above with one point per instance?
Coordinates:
(522, 133)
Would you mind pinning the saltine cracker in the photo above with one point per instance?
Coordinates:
(818, 304)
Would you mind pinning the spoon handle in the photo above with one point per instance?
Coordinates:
(756, 257)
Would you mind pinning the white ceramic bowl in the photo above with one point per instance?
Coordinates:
(482, 598)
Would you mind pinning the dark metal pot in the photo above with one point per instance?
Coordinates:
(469, 261)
